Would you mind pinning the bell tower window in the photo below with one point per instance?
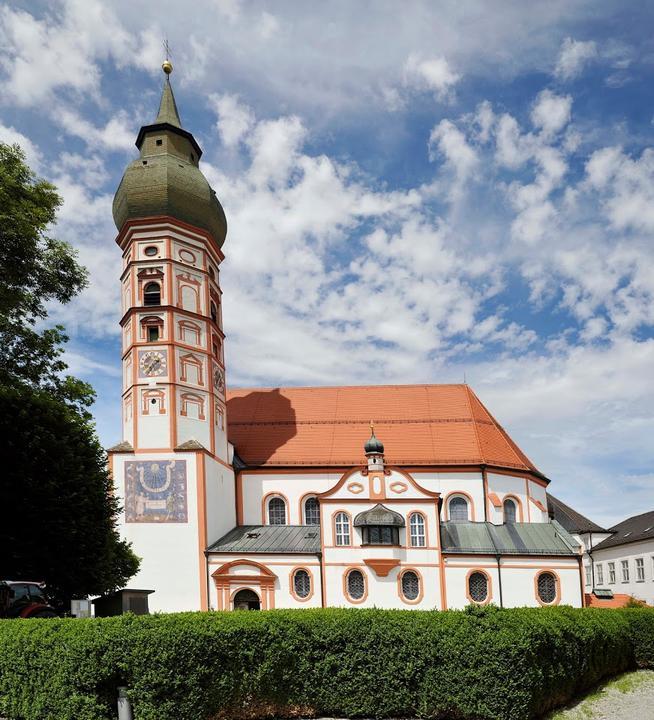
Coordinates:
(152, 294)
(153, 334)
(214, 312)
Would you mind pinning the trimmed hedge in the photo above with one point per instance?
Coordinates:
(479, 663)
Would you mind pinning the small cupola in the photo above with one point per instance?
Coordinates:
(374, 449)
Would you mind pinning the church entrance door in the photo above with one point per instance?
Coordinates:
(246, 600)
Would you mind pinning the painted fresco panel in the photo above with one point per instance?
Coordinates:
(155, 492)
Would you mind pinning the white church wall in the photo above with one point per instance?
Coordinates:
(221, 508)
(256, 487)
(469, 485)
(511, 486)
(380, 591)
(169, 551)
(282, 566)
(153, 428)
(518, 577)
(539, 493)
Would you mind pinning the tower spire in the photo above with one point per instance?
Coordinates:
(168, 112)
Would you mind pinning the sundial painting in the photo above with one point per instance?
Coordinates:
(155, 492)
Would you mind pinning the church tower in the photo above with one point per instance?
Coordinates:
(171, 471)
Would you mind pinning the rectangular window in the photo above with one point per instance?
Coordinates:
(640, 570)
(588, 575)
(342, 529)
(612, 573)
(625, 570)
(381, 535)
(153, 334)
(599, 574)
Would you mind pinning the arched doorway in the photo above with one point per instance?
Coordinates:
(246, 600)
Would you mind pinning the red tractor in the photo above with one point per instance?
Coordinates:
(22, 599)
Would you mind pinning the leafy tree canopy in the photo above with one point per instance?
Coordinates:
(57, 512)
(34, 269)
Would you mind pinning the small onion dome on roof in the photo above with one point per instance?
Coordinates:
(378, 516)
(373, 444)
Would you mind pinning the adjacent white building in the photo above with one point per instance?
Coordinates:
(291, 497)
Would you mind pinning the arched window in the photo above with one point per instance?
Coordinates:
(152, 294)
(410, 585)
(276, 511)
(342, 526)
(302, 584)
(478, 587)
(458, 509)
(509, 512)
(356, 585)
(311, 511)
(417, 530)
(547, 590)
(214, 312)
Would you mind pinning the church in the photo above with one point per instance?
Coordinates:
(397, 496)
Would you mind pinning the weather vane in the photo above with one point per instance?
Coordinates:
(167, 66)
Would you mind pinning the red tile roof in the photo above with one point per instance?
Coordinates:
(327, 426)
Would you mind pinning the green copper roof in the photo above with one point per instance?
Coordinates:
(168, 112)
(166, 179)
(270, 539)
(517, 539)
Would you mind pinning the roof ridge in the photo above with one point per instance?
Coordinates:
(482, 454)
(343, 387)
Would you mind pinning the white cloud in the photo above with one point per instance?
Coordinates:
(11, 136)
(434, 74)
(573, 57)
(449, 141)
(551, 113)
(234, 118)
(117, 133)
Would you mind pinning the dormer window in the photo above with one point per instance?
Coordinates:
(381, 535)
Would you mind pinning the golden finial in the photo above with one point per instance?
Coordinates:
(372, 427)
(166, 65)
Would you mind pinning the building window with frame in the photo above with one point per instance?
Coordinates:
(587, 568)
(302, 583)
(640, 570)
(546, 588)
(342, 526)
(311, 511)
(276, 511)
(152, 294)
(458, 509)
(356, 585)
(611, 573)
(410, 585)
(478, 587)
(213, 311)
(417, 534)
(624, 564)
(599, 574)
(509, 512)
(381, 535)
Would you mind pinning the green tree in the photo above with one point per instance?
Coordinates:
(57, 511)
(57, 514)
(34, 269)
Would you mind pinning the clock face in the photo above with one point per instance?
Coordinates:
(218, 379)
(152, 363)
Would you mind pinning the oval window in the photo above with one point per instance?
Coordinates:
(355, 585)
(478, 587)
(547, 588)
(410, 585)
(302, 584)
(151, 250)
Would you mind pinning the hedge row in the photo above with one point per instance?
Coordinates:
(480, 663)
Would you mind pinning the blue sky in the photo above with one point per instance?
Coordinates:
(414, 192)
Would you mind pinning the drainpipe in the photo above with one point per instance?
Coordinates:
(592, 564)
(484, 479)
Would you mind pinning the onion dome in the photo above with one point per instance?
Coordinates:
(373, 444)
(166, 178)
(379, 516)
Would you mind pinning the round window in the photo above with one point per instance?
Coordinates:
(478, 587)
(151, 250)
(355, 585)
(547, 588)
